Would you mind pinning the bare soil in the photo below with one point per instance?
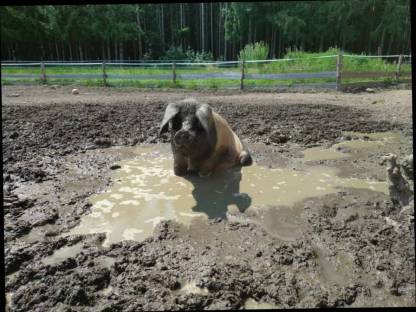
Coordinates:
(357, 249)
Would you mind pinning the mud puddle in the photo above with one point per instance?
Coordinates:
(191, 288)
(62, 254)
(9, 300)
(146, 191)
(357, 143)
(336, 271)
(37, 233)
(252, 304)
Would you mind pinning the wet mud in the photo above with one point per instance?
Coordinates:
(345, 245)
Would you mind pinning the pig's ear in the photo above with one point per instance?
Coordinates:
(171, 110)
(204, 115)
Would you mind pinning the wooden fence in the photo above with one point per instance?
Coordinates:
(339, 75)
(398, 75)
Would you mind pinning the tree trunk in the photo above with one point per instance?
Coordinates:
(390, 44)
(81, 55)
(272, 45)
(108, 51)
(382, 41)
(115, 50)
(280, 44)
(171, 28)
(56, 50)
(63, 51)
(121, 49)
(139, 36)
(181, 23)
(202, 28)
(50, 54)
(212, 32)
(249, 29)
(14, 52)
(42, 49)
(103, 50)
(343, 41)
(162, 27)
(86, 54)
(70, 51)
(225, 41)
(219, 30)
(321, 43)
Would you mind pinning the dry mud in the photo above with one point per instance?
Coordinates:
(354, 247)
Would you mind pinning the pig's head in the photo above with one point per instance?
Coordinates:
(192, 127)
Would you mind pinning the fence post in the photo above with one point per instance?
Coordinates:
(399, 64)
(104, 74)
(339, 70)
(174, 73)
(42, 72)
(242, 75)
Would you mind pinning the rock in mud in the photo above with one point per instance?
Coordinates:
(277, 137)
(102, 142)
(115, 167)
(343, 149)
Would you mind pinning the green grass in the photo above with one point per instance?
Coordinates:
(303, 63)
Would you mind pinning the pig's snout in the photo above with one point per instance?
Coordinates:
(183, 138)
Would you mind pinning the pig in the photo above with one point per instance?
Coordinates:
(202, 141)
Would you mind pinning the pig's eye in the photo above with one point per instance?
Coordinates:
(197, 125)
(176, 123)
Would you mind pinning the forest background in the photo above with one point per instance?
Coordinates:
(202, 31)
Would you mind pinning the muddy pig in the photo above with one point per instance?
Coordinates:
(202, 141)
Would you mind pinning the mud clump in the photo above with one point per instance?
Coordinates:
(399, 187)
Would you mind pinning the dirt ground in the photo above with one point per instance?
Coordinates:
(356, 248)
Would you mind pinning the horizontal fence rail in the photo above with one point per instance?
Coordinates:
(248, 72)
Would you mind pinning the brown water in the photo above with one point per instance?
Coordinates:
(9, 299)
(191, 288)
(146, 191)
(252, 304)
(363, 141)
(37, 233)
(62, 254)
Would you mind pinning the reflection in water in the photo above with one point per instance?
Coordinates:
(213, 195)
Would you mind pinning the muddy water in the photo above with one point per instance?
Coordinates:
(252, 304)
(361, 141)
(9, 300)
(62, 254)
(37, 233)
(146, 191)
(191, 288)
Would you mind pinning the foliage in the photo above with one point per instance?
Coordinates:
(177, 53)
(254, 51)
(199, 56)
(149, 31)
